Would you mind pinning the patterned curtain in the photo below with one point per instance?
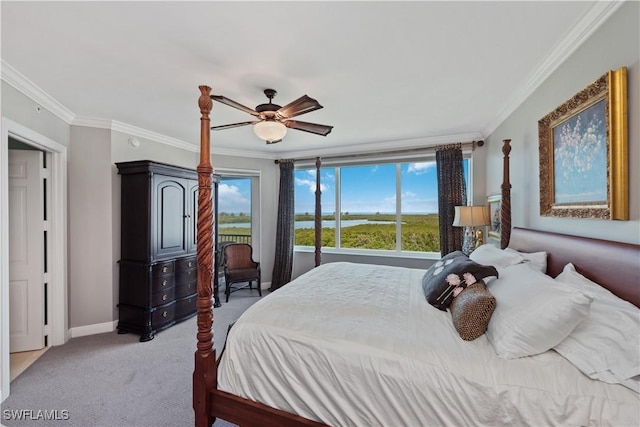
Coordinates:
(452, 192)
(318, 216)
(283, 263)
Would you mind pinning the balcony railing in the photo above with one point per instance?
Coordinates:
(237, 238)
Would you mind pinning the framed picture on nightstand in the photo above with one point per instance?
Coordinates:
(494, 202)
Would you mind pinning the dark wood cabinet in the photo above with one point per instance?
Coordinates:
(158, 266)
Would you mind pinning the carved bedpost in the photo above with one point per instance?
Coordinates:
(204, 375)
(505, 213)
(318, 215)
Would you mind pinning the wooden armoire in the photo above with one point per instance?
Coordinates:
(158, 267)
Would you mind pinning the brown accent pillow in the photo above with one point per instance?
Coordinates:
(471, 311)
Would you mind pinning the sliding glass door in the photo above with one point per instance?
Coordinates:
(234, 210)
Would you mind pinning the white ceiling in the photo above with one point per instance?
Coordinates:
(389, 74)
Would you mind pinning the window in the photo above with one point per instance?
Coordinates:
(383, 206)
(234, 210)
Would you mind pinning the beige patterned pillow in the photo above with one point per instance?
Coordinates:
(471, 311)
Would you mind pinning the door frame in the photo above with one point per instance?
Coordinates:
(58, 285)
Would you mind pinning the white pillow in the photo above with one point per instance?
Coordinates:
(606, 346)
(537, 260)
(532, 313)
(491, 255)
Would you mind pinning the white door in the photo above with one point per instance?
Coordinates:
(26, 250)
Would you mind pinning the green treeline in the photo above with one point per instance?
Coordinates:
(419, 232)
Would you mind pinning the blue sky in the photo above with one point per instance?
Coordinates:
(234, 195)
(370, 189)
(365, 189)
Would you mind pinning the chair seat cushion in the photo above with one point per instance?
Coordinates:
(242, 274)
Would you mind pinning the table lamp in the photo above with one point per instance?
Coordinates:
(472, 217)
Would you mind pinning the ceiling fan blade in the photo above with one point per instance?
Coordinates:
(304, 104)
(234, 125)
(234, 104)
(318, 129)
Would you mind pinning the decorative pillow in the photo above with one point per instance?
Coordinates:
(492, 255)
(449, 276)
(471, 311)
(537, 260)
(533, 312)
(606, 346)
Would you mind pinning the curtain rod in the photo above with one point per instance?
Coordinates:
(473, 144)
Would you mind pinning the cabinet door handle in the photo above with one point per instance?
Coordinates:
(164, 297)
(164, 283)
(164, 314)
(164, 269)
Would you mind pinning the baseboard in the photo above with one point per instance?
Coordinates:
(265, 285)
(98, 328)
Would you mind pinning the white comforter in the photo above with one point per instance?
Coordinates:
(358, 345)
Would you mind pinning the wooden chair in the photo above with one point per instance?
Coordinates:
(239, 267)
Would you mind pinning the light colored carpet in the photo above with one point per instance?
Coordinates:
(111, 380)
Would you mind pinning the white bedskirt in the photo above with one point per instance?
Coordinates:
(358, 345)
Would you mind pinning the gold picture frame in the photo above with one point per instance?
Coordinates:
(494, 204)
(583, 149)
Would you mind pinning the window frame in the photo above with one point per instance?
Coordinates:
(398, 161)
(256, 190)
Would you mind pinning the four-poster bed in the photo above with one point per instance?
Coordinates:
(614, 271)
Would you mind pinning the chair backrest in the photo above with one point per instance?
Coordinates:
(238, 255)
(221, 246)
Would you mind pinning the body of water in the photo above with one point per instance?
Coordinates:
(310, 224)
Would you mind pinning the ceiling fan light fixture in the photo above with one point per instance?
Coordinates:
(270, 130)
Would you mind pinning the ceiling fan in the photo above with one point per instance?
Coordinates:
(273, 120)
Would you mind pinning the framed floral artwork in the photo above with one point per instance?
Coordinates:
(494, 203)
(584, 153)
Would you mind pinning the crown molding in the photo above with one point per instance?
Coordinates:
(382, 146)
(153, 136)
(575, 37)
(17, 80)
(117, 126)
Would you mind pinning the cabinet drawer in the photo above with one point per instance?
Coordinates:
(186, 264)
(163, 314)
(185, 307)
(186, 276)
(162, 297)
(186, 289)
(162, 268)
(161, 283)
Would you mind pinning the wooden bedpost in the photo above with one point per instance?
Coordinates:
(205, 372)
(505, 213)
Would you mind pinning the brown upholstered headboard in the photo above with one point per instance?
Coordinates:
(614, 265)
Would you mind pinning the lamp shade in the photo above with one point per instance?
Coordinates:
(471, 216)
(270, 130)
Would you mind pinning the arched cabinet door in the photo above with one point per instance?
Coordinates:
(171, 216)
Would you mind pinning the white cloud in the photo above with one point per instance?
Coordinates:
(420, 168)
(230, 199)
(310, 184)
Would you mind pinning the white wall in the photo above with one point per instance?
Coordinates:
(614, 45)
(90, 229)
(23, 110)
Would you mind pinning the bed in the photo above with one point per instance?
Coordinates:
(343, 353)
